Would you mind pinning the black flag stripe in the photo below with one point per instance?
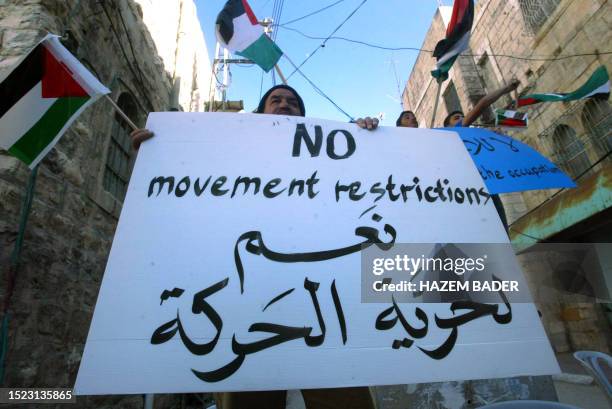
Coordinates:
(23, 78)
(225, 19)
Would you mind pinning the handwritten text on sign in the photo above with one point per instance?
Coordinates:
(236, 266)
(507, 165)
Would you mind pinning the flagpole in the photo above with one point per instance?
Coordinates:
(280, 74)
(13, 267)
(121, 113)
(433, 116)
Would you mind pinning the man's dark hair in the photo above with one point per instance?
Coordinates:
(399, 118)
(448, 117)
(262, 104)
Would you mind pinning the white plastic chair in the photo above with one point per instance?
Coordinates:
(528, 404)
(592, 362)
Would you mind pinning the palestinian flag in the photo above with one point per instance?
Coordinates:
(457, 38)
(41, 97)
(510, 119)
(596, 86)
(238, 31)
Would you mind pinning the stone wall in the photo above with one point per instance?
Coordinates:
(73, 218)
(575, 27)
(184, 54)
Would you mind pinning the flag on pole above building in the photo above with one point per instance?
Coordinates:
(239, 31)
(457, 38)
(598, 85)
(41, 97)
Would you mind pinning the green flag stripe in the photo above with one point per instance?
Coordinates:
(263, 52)
(30, 145)
(598, 79)
(442, 71)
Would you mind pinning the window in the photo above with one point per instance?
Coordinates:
(491, 84)
(451, 99)
(597, 119)
(536, 12)
(570, 151)
(118, 158)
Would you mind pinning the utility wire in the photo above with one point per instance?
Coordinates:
(276, 15)
(353, 41)
(310, 14)
(274, 10)
(260, 11)
(325, 40)
(540, 58)
(317, 89)
(277, 18)
(397, 80)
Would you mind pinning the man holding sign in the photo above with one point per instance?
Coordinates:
(284, 100)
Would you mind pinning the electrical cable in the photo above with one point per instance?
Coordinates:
(325, 40)
(397, 80)
(540, 58)
(219, 83)
(277, 18)
(353, 41)
(260, 10)
(274, 13)
(310, 14)
(317, 89)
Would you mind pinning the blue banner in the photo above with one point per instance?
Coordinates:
(507, 165)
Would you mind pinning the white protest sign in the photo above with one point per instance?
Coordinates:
(217, 283)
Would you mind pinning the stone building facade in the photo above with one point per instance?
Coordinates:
(575, 135)
(152, 56)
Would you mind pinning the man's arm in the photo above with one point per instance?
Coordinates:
(487, 101)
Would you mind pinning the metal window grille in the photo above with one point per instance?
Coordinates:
(118, 159)
(597, 119)
(570, 151)
(536, 12)
(594, 119)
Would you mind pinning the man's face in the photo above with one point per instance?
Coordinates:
(409, 120)
(454, 120)
(282, 102)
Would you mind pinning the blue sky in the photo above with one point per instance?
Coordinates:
(360, 79)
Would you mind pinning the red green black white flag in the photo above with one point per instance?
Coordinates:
(41, 97)
(239, 31)
(457, 38)
(597, 86)
(510, 119)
